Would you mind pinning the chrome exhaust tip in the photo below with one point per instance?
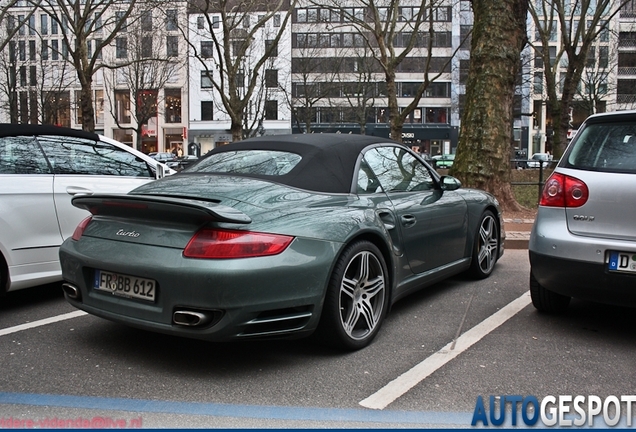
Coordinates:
(71, 291)
(189, 318)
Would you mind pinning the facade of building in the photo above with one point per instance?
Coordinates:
(39, 84)
(256, 60)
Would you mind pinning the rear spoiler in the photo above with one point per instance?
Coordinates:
(153, 207)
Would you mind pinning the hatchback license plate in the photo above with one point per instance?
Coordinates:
(622, 262)
(124, 285)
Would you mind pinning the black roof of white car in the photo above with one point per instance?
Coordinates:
(7, 129)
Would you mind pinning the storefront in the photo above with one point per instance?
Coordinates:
(428, 138)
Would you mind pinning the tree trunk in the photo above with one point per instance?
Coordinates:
(484, 150)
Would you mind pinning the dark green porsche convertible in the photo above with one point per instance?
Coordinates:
(279, 236)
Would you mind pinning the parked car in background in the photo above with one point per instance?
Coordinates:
(183, 162)
(279, 236)
(583, 242)
(539, 159)
(443, 161)
(41, 169)
(163, 157)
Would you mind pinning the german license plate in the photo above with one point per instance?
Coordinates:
(125, 285)
(622, 261)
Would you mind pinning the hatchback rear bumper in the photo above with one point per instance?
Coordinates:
(584, 280)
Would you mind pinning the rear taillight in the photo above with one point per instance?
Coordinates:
(564, 191)
(77, 234)
(223, 244)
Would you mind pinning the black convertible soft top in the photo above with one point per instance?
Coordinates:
(328, 160)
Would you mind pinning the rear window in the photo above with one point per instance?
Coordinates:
(607, 147)
(252, 162)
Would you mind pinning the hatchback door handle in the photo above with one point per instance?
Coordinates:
(76, 190)
(408, 220)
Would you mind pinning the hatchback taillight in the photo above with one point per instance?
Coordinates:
(561, 190)
(79, 230)
(224, 244)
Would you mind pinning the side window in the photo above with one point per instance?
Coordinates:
(22, 155)
(87, 157)
(368, 183)
(398, 170)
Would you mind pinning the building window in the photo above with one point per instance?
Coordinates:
(271, 110)
(22, 50)
(146, 21)
(54, 28)
(55, 50)
(277, 20)
(121, 18)
(272, 44)
(436, 115)
(271, 78)
(538, 83)
(32, 31)
(207, 49)
(206, 110)
(44, 51)
(200, 22)
(121, 47)
(98, 49)
(122, 106)
(172, 46)
(23, 76)
(216, 22)
(33, 76)
(206, 81)
(44, 24)
(172, 21)
(146, 47)
(99, 107)
(32, 50)
(173, 105)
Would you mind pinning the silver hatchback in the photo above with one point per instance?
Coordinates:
(583, 242)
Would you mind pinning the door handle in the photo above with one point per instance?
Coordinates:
(76, 190)
(408, 220)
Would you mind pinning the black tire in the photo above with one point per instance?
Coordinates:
(545, 300)
(486, 247)
(355, 303)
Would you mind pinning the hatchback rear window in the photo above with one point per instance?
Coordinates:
(607, 147)
(253, 162)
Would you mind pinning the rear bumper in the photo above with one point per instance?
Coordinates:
(584, 280)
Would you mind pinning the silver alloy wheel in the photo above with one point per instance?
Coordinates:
(362, 294)
(488, 244)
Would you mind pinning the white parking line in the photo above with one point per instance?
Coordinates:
(41, 322)
(402, 384)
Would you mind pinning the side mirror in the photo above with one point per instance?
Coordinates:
(450, 183)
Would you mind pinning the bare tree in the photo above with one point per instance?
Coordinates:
(314, 80)
(244, 36)
(8, 87)
(84, 23)
(147, 69)
(483, 154)
(360, 89)
(402, 38)
(579, 23)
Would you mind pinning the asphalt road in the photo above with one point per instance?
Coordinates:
(451, 343)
